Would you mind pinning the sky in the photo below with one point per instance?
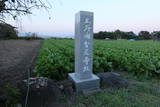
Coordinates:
(109, 15)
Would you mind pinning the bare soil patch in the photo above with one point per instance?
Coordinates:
(16, 57)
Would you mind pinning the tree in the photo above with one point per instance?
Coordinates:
(118, 34)
(144, 35)
(7, 31)
(115, 35)
(129, 35)
(156, 35)
(16, 8)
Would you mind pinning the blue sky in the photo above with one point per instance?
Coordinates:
(109, 15)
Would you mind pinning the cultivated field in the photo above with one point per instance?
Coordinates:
(137, 61)
(140, 58)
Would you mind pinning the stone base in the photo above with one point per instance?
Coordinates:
(81, 85)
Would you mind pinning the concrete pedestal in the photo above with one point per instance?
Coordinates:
(81, 85)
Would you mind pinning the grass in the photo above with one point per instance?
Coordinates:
(13, 95)
(137, 95)
(121, 98)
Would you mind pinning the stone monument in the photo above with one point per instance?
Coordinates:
(83, 77)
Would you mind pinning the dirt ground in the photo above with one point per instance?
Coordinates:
(16, 57)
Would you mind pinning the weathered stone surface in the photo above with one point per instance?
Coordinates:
(83, 77)
(42, 91)
(112, 79)
(66, 87)
(83, 44)
(89, 84)
(3, 100)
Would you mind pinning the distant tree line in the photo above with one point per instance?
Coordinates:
(143, 35)
(8, 31)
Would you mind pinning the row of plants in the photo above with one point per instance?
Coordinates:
(141, 58)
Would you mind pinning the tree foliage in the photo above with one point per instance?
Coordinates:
(115, 35)
(16, 8)
(142, 35)
(156, 35)
(7, 31)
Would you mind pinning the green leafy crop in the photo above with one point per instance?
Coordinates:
(141, 58)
